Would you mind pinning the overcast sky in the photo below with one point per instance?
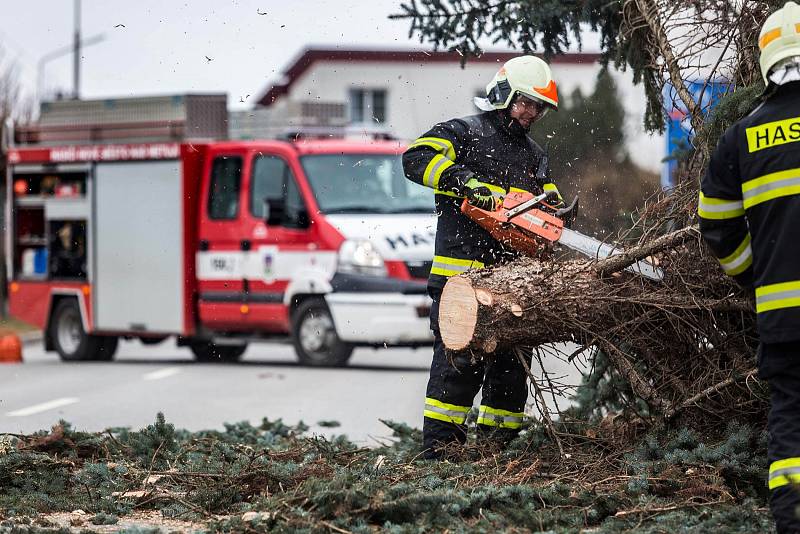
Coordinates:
(158, 47)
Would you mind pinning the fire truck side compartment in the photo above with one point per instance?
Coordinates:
(138, 247)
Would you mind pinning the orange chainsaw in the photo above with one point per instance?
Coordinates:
(528, 224)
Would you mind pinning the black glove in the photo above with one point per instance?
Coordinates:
(479, 195)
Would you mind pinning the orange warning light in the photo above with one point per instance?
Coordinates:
(86, 290)
(245, 309)
(14, 287)
(21, 187)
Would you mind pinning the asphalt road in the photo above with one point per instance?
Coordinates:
(143, 380)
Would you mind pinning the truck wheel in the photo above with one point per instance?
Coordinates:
(207, 352)
(70, 339)
(314, 336)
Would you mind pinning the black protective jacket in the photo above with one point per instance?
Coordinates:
(485, 147)
(749, 209)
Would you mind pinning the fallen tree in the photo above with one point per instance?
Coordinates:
(682, 347)
(671, 341)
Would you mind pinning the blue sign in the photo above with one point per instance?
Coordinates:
(679, 127)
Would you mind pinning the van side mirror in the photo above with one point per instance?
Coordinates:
(274, 210)
(303, 219)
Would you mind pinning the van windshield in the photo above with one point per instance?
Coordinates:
(364, 183)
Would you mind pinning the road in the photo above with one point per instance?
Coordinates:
(143, 380)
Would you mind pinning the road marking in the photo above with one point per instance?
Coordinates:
(43, 407)
(161, 373)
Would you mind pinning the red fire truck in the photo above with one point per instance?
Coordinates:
(219, 244)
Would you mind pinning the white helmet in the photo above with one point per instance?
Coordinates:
(779, 38)
(527, 75)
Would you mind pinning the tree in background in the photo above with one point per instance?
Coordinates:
(586, 142)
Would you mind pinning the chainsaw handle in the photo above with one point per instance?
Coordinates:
(568, 214)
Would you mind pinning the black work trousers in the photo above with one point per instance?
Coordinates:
(455, 381)
(779, 364)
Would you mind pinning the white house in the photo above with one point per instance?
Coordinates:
(404, 92)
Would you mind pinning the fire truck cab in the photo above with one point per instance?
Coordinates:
(219, 244)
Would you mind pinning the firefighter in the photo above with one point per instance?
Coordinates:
(481, 158)
(749, 212)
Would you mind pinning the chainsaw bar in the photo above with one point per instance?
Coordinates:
(526, 223)
(596, 249)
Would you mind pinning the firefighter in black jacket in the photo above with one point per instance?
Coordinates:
(749, 213)
(481, 158)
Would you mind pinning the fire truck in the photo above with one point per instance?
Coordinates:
(321, 242)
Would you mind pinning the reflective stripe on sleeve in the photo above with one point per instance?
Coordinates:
(719, 208)
(434, 170)
(739, 260)
(784, 472)
(444, 266)
(771, 186)
(518, 190)
(449, 413)
(500, 418)
(778, 296)
(441, 145)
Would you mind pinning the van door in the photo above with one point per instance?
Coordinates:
(281, 238)
(221, 256)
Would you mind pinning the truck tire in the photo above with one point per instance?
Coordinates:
(208, 352)
(314, 336)
(70, 339)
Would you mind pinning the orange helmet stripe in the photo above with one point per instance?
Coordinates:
(768, 37)
(551, 91)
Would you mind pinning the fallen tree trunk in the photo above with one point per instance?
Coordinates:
(531, 302)
(667, 340)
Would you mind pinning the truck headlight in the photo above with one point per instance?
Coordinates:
(360, 257)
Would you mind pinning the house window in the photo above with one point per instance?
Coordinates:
(368, 105)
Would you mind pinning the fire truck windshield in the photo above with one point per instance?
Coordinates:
(364, 183)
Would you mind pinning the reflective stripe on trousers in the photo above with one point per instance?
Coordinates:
(784, 472)
(449, 413)
(500, 418)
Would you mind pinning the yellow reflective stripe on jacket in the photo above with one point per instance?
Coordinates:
(739, 260)
(434, 170)
(771, 186)
(439, 144)
(500, 418)
(518, 190)
(784, 472)
(445, 266)
(450, 413)
(719, 208)
(778, 296)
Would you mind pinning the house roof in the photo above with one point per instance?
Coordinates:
(312, 55)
